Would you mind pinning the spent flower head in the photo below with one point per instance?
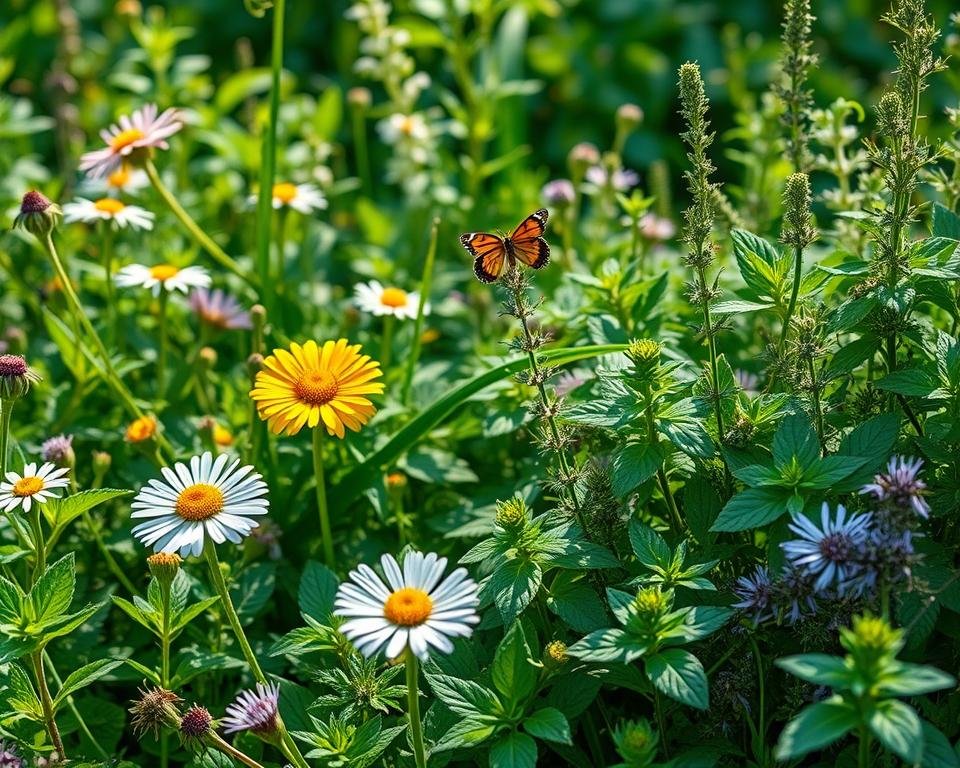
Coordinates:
(38, 215)
(155, 709)
(15, 377)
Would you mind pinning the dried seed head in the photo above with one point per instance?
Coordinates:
(38, 215)
(15, 377)
(156, 708)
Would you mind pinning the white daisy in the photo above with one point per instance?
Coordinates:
(142, 130)
(375, 298)
(416, 611)
(399, 127)
(165, 276)
(303, 198)
(208, 498)
(33, 484)
(108, 209)
(126, 180)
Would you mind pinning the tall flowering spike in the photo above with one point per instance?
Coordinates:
(207, 498)
(131, 140)
(313, 384)
(38, 215)
(15, 377)
(413, 610)
(255, 711)
(796, 60)
(797, 229)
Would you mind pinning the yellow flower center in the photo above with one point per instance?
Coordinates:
(200, 501)
(393, 297)
(141, 429)
(163, 272)
(407, 125)
(109, 205)
(27, 486)
(119, 178)
(222, 436)
(316, 387)
(408, 607)
(285, 192)
(125, 139)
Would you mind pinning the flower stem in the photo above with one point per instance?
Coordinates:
(165, 662)
(794, 292)
(231, 751)
(107, 556)
(6, 413)
(425, 282)
(326, 534)
(73, 708)
(47, 704)
(39, 545)
(162, 346)
(413, 708)
(386, 341)
(202, 238)
(107, 256)
(268, 157)
(863, 758)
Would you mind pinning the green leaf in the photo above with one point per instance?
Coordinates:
(463, 696)
(11, 602)
(816, 727)
(514, 584)
(873, 439)
(945, 223)
(830, 470)
(912, 382)
(53, 592)
(252, 591)
(22, 697)
(679, 674)
(576, 602)
(740, 306)
(468, 732)
(795, 438)
(318, 588)
(648, 545)
(190, 613)
(515, 750)
(548, 724)
(898, 728)
(60, 512)
(751, 509)
(633, 465)
(607, 645)
(817, 668)
(703, 620)
(913, 680)
(701, 506)
(938, 752)
(513, 674)
(82, 677)
(364, 474)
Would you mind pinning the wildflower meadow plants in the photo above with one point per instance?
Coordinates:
(311, 456)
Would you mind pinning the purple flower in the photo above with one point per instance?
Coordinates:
(558, 192)
(756, 594)
(59, 450)
(747, 381)
(219, 310)
(9, 758)
(657, 228)
(900, 488)
(795, 593)
(886, 555)
(254, 710)
(828, 553)
(621, 180)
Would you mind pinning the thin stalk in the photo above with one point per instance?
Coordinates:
(658, 714)
(661, 475)
(162, 346)
(359, 127)
(712, 349)
(165, 662)
(193, 229)
(39, 545)
(231, 751)
(268, 156)
(863, 754)
(107, 556)
(6, 414)
(106, 254)
(413, 709)
(220, 586)
(794, 292)
(279, 283)
(73, 707)
(326, 533)
(426, 280)
(762, 714)
(386, 341)
(46, 704)
(815, 399)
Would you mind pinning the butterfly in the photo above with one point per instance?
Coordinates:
(492, 253)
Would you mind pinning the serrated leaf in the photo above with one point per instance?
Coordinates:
(83, 677)
(680, 675)
(318, 588)
(548, 724)
(53, 592)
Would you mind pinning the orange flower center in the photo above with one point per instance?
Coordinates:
(27, 486)
(316, 387)
(200, 501)
(163, 272)
(285, 192)
(109, 205)
(222, 436)
(393, 297)
(125, 139)
(119, 178)
(408, 607)
(141, 429)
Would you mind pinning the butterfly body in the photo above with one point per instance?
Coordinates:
(495, 253)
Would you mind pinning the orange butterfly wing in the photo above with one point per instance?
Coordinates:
(527, 240)
(489, 252)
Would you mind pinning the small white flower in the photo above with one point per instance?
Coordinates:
(398, 127)
(206, 498)
(33, 484)
(163, 276)
(143, 129)
(108, 209)
(375, 298)
(303, 198)
(416, 611)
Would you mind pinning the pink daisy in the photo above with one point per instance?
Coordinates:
(143, 129)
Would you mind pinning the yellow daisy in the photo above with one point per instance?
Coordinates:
(308, 384)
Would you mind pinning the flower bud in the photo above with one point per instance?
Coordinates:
(254, 364)
(645, 356)
(101, 461)
(555, 654)
(15, 377)
(511, 514)
(38, 215)
(581, 157)
(140, 430)
(559, 192)
(155, 709)
(207, 358)
(164, 567)
(195, 725)
(636, 742)
(629, 117)
(359, 97)
(59, 450)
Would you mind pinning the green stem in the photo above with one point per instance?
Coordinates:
(39, 545)
(762, 714)
(107, 256)
(268, 156)
(712, 349)
(193, 229)
(326, 533)
(413, 709)
(220, 585)
(794, 292)
(425, 282)
(815, 400)
(107, 556)
(162, 346)
(360, 148)
(47, 704)
(863, 758)
(165, 662)
(231, 751)
(658, 714)
(386, 341)
(6, 414)
(73, 707)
